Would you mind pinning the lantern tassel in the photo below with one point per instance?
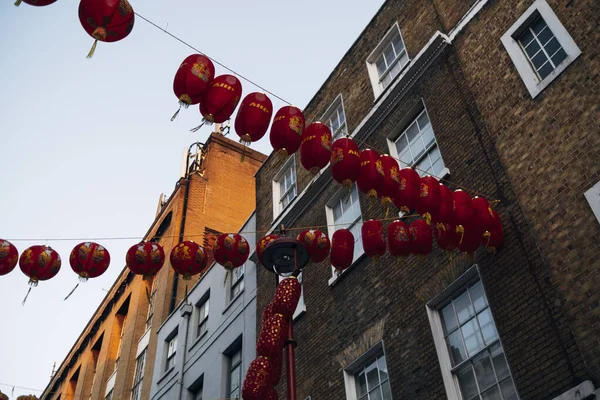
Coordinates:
(18, 3)
(71, 292)
(26, 296)
(176, 113)
(196, 129)
(93, 49)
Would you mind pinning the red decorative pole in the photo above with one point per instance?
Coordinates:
(290, 345)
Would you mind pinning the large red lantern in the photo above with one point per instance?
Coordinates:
(39, 263)
(317, 243)
(373, 238)
(398, 235)
(193, 77)
(429, 198)
(255, 383)
(445, 214)
(493, 237)
(391, 178)
(89, 260)
(483, 217)
(271, 394)
(276, 367)
(145, 258)
(37, 3)
(231, 250)
(262, 244)
(106, 20)
(345, 161)
(470, 238)
(221, 98)
(253, 117)
(286, 130)
(370, 178)
(287, 297)
(272, 336)
(315, 150)
(446, 236)
(342, 249)
(421, 237)
(407, 196)
(188, 258)
(463, 208)
(9, 256)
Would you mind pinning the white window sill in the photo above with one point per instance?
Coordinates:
(167, 373)
(237, 296)
(335, 278)
(198, 340)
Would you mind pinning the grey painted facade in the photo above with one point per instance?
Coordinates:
(203, 359)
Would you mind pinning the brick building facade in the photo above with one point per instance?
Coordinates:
(113, 358)
(460, 90)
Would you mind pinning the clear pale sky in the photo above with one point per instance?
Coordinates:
(87, 146)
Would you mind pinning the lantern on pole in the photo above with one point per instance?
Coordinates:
(342, 249)
(9, 255)
(421, 237)
(407, 196)
(231, 250)
(272, 336)
(373, 238)
(145, 258)
(399, 241)
(193, 77)
(286, 130)
(391, 178)
(255, 383)
(89, 260)
(370, 178)
(315, 150)
(253, 117)
(317, 243)
(220, 99)
(107, 20)
(188, 258)
(287, 297)
(345, 162)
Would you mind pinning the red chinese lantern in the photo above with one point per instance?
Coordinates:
(287, 296)
(493, 237)
(262, 243)
(107, 20)
(192, 79)
(37, 3)
(286, 130)
(231, 250)
(446, 236)
(399, 238)
(370, 178)
(89, 260)
(9, 256)
(429, 198)
(342, 249)
(188, 258)
(276, 367)
(345, 162)
(483, 217)
(445, 214)
(220, 99)
(253, 117)
(271, 394)
(255, 382)
(421, 237)
(39, 263)
(315, 150)
(145, 258)
(268, 312)
(407, 196)
(463, 208)
(317, 243)
(470, 238)
(391, 178)
(272, 336)
(373, 239)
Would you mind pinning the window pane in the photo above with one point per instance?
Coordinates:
(492, 394)
(424, 166)
(538, 26)
(499, 361)
(337, 212)
(398, 45)
(380, 63)
(417, 148)
(375, 394)
(383, 374)
(466, 380)
(387, 391)
(389, 55)
(395, 70)
(552, 46)
(386, 80)
(478, 297)
(449, 319)
(423, 120)
(427, 136)
(559, 57)
(412, 132)
(456, 348)
(539, 59)
(484, 371)
(372, 376)
(438, 167)
(472, 336)
(508, 390)
(532, 49)
(487, 326)
(236, 358)
(401, 145)
(463, 308)
(545, 70)
(361, 384)
(545, 35)
(526, 38)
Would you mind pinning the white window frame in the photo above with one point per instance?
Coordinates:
(332, 227)
(336, 109)
(350, 371)
(390, 35)
(277, 195)
(138, 376)
(451, 384)
(231, 366)
(592, 195)
(406, 123)
(168, 354)
(203, 320)
(236, 281)
(509, 40)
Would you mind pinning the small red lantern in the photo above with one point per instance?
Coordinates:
(272, 336)
(89, 260)
(373, 239)
(9, 256)
(37, 3)
(421, 237)
(317, 243)
(39, 263)
(399, 238)
(407, 196)
(463, 208)
(445, 213)
(231, 250)
(145, 258)
(107, 21)
(255, 382)
(315, 150)
(253, 117)
(429, 198)
(446, 236)
(483, 218)
(188, 258)
(370, 178)
(493, 237)
(221, 98)
(287, 296)
(286, 130)
(391, 178)
(262, 243)
(342, 249)
(192, 79)
(345, 162)
(470, 238)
